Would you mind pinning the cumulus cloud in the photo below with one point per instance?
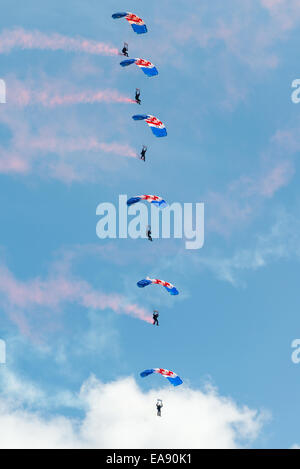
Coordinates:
(120, 415)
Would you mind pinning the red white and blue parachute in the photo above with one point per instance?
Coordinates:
(137, 23)
(147, 67)
(157, 127)
(170, 375)
(152, 199)
(154, 281)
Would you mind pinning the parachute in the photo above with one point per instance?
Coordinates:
(153, 281)
(157, 127)
(137, 23)
(152, 199)
(172, 377)
(147, 67)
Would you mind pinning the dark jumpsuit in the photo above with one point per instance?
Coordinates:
(155, 319)
(137, 97)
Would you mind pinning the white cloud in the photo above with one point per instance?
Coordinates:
(282, 242)
(120, 415)
(18, 392)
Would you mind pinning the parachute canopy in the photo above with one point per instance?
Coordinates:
(170, 375)
(157, 127)
(147, 67)
(137, 23)
(152, 199)
(153, 281)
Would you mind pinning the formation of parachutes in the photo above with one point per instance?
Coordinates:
(159, 130)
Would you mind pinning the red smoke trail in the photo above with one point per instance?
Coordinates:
(20, 39)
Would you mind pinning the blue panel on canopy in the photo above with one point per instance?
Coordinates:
(125, 63)
(119, 15)
(140, 117)
(175, 381)
(144, 283)
(146, 373)
(159, 132)
(133, 200)
(139, 29)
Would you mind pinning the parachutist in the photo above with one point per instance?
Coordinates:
(159, 406)
(137, 96)
(149, 233)
(155, 317)
(143, 153)
(125, 50)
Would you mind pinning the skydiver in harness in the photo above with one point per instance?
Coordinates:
(149, 233)
(137, 96)
(143, 153)
(159, 406)
(125, 50)
(155, 317)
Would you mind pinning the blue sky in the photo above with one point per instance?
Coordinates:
(224, 93)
